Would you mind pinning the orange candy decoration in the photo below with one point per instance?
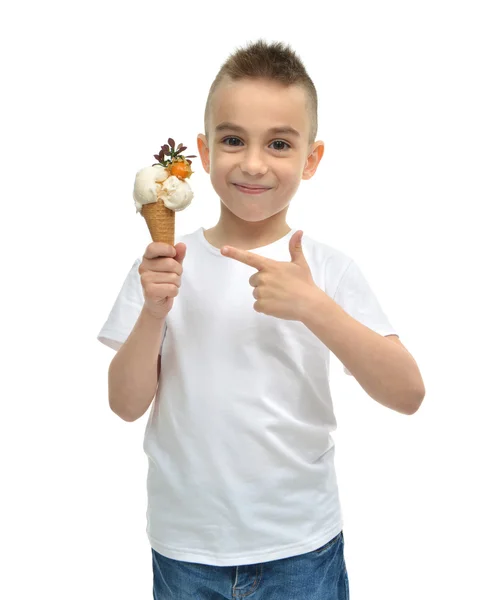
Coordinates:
(180, 169)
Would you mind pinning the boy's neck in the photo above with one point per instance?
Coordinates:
(245, 235)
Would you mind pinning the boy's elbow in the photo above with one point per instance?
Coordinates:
(128, 418)
(129, 415)
(417, 401)
(121, 414)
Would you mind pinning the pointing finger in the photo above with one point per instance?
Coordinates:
(243, 256)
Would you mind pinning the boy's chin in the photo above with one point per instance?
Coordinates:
(254, 215)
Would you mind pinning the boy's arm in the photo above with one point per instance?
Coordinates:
(134, 372)
(385, 370)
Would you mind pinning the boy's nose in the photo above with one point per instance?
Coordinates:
(253, 164)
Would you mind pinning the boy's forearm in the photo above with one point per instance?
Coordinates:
(132, 374)
(385, 370)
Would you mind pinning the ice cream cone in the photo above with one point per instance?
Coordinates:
(162, 190)
(160, 221)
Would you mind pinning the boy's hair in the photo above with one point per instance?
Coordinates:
(274, 62)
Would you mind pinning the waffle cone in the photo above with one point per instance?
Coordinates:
(160, 221)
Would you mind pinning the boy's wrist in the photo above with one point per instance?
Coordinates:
(317, 304)
(149, 316)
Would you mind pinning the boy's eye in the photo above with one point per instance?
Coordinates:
(230, 138)
(280, 142)
(282, 145)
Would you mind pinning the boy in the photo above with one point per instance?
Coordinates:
(234, 325)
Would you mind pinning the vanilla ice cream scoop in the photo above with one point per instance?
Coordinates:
(176, 193)
(155, 183)
(147, 186)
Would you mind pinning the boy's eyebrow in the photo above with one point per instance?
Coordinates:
(231, 126)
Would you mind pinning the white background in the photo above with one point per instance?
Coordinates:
(90, 92)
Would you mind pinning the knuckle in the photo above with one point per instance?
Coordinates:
(153, 288)
(163, 264)
(169, 278)
(147, 277)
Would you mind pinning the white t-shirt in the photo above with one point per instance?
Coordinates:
(238, 440)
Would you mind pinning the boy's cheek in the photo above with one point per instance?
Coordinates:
(222, 163)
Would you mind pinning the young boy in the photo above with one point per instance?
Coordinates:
(231, 331)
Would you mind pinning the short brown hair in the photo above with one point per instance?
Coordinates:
(274, 62)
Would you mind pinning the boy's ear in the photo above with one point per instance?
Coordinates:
(203, 147)
(313, 159)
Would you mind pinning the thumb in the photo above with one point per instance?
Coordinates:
(296, 250)
(181, 249)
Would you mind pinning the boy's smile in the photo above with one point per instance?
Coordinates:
(257, 149)
(250, 189)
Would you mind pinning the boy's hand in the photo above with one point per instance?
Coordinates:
(160, 274)
(281, 289)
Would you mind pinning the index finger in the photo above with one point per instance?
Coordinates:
(157, 249)
(243, 256)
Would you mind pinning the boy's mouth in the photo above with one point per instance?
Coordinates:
(251, 189)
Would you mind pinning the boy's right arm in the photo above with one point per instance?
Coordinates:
(135, 370)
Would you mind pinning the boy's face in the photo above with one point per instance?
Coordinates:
(242, 149)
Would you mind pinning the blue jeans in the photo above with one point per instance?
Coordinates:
(317, 575)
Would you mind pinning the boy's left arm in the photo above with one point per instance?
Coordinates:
(381, 364)
(286, 290)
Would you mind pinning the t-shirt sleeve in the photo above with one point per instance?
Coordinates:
(356, 297)
(125, 310)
